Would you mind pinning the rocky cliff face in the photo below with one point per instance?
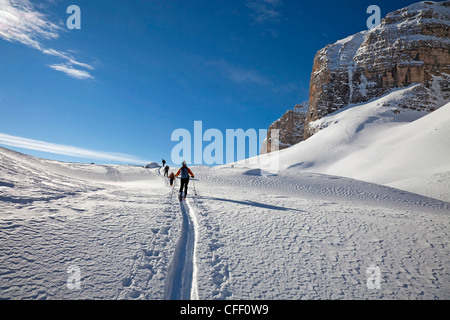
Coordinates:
(290, 127)
(410, 46)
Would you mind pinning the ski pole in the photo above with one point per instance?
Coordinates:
(173, 187)
(195, 191)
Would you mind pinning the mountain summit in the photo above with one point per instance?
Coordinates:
(410, 46)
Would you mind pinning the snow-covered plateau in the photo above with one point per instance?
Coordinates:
(369, 191)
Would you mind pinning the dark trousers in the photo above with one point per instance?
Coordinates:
(184, 184)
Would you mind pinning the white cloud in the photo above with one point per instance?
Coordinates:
(21, 22)
(77, 152)
(245, 76)
(265, 10)
(239, 74)
(72, 72)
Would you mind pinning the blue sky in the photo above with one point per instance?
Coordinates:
(115, 90)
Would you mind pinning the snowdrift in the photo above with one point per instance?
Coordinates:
(84, 171)
(378, 142)
(152, 165)
(110, 222)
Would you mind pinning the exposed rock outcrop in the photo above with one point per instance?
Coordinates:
(290, 127)
(410, 46)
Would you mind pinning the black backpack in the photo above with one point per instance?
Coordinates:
(184, 173)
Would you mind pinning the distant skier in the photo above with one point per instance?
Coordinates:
(185, 173)
(171, 178)
(163, 166)
(166, 171)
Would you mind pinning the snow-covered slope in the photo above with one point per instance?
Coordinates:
(378, 142)
(312, 229)
(119, 230)
(311, 236)
(240, 235)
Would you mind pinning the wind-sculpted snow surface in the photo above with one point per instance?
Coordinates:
(379, 142)
(311, 236)
(121, 236)
(289, 235)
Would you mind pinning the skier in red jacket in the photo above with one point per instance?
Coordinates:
(185, 173)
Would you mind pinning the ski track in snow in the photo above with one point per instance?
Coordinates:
(181, 283)
(194, 282)
(250, 236)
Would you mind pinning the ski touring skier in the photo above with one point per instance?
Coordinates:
(171, 178)
(185, 173)
(163, 166)
(166, 171)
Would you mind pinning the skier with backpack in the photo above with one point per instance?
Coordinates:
(171, 178)
(166, 171)
(185, 173)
